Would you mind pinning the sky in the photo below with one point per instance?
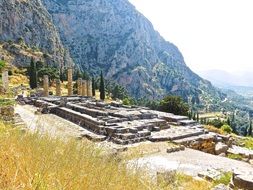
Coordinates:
(211, 34)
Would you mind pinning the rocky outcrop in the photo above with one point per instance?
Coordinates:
(29, 22)
(114, 37)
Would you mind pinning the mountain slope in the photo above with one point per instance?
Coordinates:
(111, 35)
(28, 21)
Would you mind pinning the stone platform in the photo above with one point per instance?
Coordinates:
(116, 122)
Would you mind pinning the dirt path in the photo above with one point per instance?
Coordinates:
(47, 123)
(190, 162)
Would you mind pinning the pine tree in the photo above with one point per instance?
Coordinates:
(197, 116)
(93, 87)
(33, 74)
(250, 128)
(194, 116)
(102, 87)
(228, 121)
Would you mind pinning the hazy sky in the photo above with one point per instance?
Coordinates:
(211, 34)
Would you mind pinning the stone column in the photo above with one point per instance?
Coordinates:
(45, 85)
(58, 87)
(5, 79)
(70, 81)
(79, 87)
(89, 88)
(84, 88)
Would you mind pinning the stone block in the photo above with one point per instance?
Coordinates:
(243, 180)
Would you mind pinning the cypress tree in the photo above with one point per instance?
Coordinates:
(228, 121)
(197, 116)
(250, 128)
(102, 87)
(194, 116)
(33, 74)
(93, 87)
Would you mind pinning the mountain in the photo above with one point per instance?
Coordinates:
(29, 23)
(107, 35)
(111, 35)
(225, 79)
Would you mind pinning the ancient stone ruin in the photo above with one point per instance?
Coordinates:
(5, 80)
(118, 123)
(70, 82)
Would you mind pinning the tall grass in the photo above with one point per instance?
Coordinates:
(39, 162)
(31, 161)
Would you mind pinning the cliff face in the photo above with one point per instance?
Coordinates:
(28, 21)
(108, 35)
(111, 35)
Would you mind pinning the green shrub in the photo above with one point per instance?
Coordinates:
(2, 64)
(174, 104)
(226, 128)
(126, 101)
(225, 179)
(235, 156)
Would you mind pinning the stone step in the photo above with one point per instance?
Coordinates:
(125, 136)
(94, 137)
(125, 142)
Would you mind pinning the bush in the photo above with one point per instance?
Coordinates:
(2, 64)
(175, 105)
(226, 128)
(216, 122)
(126, 101)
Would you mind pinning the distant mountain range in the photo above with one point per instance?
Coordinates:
(240, 82)
(223, 78)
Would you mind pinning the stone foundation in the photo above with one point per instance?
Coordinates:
(115, 122)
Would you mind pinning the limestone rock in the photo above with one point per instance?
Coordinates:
(29, 22)
(243, 180)
(221, 187)
(115, 37)
(210, 174)
(220, 148)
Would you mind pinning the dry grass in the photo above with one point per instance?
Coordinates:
(18, 79)
(31, 161)
(214, 129)
(185, 182)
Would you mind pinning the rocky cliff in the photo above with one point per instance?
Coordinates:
(29, 23)
(111, 35)
(108, 35)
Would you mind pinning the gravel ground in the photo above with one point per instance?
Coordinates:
(190, 162)
(47, 123)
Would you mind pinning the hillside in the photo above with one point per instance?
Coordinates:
(114, 37)
(28, 22)
(104, 35)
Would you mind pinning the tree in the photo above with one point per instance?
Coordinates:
(52, 72)
(63, 74)
(250, 128)
(197, 116)
(228, 121)
(102, 87)
(194, 116)
(33, 74)
(93, 87)
(174, 104)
